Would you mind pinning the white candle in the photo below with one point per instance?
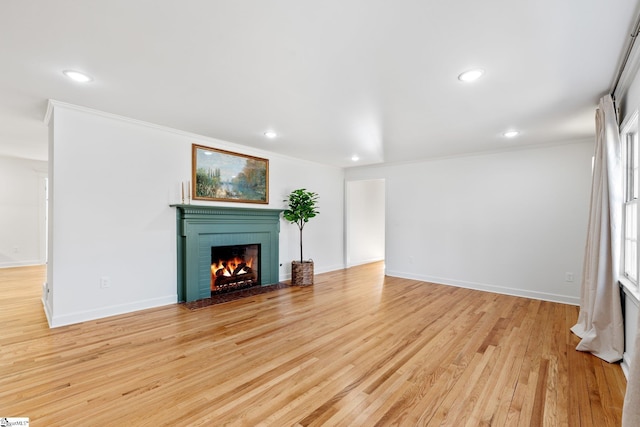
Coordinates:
(182, 191)
(188, 190)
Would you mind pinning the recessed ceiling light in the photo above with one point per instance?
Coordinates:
(511, 134)
(355, 158)
(77, 76)
(270, 134)
(471, 75)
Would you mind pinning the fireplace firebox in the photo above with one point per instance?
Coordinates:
(234, 267)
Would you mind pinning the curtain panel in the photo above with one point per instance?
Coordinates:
(600, 324)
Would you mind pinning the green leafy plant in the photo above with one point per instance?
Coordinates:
(302, 206)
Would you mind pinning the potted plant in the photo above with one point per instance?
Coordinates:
(301, 208)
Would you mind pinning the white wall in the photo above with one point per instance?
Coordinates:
(630, 330)
(511, 222)
(112, 180)
(22, 212)
(365, 219)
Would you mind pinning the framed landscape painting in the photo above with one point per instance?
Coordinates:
(228, 177)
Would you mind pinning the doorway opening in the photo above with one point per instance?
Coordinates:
(365, 203)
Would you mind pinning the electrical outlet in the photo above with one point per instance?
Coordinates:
(568, 277)
(15, 249)
(105, 282)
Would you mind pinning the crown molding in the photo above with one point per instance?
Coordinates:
(201, 139)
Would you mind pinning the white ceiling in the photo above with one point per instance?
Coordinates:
(376, 78)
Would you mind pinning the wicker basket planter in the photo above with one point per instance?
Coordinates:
(301, 207)
(302, 273)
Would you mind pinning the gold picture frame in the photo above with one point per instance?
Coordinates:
(225, 176)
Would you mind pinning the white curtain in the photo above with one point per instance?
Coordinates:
(600, 321)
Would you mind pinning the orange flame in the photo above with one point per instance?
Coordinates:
(229, 266)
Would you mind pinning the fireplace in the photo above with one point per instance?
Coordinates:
(199, 229)
(234, 267)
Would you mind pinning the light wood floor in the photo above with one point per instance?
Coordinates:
(356, 349)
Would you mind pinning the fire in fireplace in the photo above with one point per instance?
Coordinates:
(234, 267)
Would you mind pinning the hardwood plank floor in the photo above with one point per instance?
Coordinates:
(356, 349)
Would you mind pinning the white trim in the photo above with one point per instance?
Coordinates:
(564, 299)
(632, 296)
(363, 262)
(630, 123)
(629, 126)
(329, 268)
(625, 365)
(630, 289)
(508, 149)
(316, 270)
(25, 263)
(219, 143)
(114, 310)
(49, 113)
(46, 302)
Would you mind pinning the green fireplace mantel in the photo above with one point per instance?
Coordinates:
(198, 228)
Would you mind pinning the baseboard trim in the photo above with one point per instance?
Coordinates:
(363, 262)
(564, 299)
(328, 268)
(625, 365)
(114, 310)
(316, 270)
(47, 311)
(26, 263)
